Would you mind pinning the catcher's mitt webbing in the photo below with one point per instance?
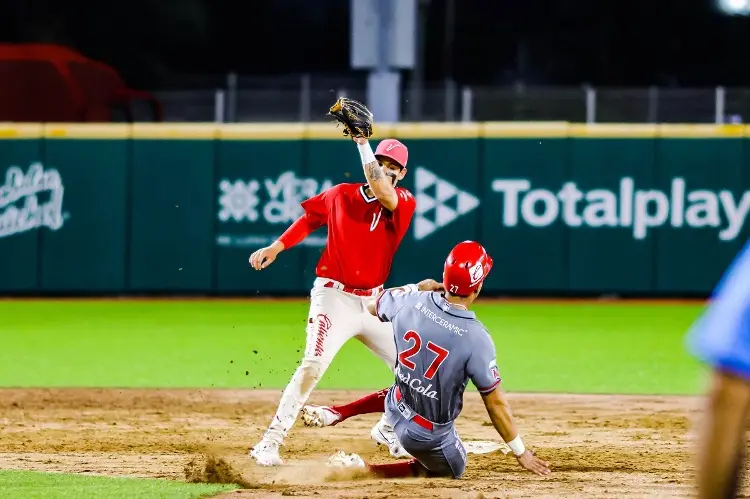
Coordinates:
(355, 117)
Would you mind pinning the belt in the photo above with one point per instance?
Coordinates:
(424, 423)
(353, 291)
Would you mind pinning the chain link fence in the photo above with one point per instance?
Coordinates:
(306, 98)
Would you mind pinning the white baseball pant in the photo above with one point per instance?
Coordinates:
(334, 318)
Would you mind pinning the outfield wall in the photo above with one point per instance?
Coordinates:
(565, 209)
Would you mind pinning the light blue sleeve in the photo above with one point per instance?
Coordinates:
(721, 336)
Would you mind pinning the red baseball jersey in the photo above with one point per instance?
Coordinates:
(363, 235)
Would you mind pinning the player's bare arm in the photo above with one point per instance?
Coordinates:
(381, 176)
(426, 285)
(723, 440)
(498, 408)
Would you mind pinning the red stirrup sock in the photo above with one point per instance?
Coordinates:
(401, 469)
(374, 402)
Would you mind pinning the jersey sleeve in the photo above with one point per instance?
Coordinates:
(391, 301)
(318, 206)
(482, 365)
(404, 211)
(721, 336)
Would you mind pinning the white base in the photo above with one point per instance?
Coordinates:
(485, 447)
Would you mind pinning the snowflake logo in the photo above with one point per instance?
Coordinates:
(239, 200)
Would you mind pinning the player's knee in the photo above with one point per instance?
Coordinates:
(453, 469)
(449, 465)
(455, 460)
(458, 462)
(311, 369)
(457, 470)
(446, 471)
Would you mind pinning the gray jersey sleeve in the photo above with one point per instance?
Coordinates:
(482, 365)
(392, 300)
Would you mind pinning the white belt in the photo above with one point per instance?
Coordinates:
(322, 282)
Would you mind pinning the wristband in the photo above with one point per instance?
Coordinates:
(412, 287)
(516, 445)
(365, 152)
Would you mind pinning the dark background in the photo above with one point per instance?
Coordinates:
(159, 44)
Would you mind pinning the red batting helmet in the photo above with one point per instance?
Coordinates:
(465, 268)
(393, 150)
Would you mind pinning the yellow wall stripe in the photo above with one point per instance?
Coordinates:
(614, 130)
(175, 131)
(294, 131)
(87, 131)
(250, 131)
(522, 129)
(21, 130)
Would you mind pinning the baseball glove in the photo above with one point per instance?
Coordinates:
(355, 117)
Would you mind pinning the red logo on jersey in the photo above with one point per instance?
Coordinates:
(494, 371)
(323, 325)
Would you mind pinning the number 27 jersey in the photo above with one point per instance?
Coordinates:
(440, 348)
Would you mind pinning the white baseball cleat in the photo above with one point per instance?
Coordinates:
(383, 433)
(266, 453)
(343, 460)
(319, 416)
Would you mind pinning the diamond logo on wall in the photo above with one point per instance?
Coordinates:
(439, 203)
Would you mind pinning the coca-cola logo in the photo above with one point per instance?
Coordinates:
(31, 200)
(416, 384)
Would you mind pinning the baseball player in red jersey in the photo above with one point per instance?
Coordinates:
(366, 223)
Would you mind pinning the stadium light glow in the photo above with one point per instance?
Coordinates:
(734, 7)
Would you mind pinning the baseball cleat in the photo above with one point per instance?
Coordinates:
(266, 453)
(343, 460)
(383, 434)
(319, 416)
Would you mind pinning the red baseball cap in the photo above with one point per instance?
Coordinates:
(393, 150)
(465, 268)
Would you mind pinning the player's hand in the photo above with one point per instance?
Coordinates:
(532, 463)
(430, 285)
(264, 257)
(359, 140)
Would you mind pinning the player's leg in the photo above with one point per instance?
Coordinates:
(382, 432)
(720, 457)
(403, 469)
(378, 337)
(449, 464)
(331, 322)
(435, 456)
(410, 468)
(325, 415)
(440, 452)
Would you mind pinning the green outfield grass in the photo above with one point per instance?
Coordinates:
(604, 347)
(565, 347)
(31, 485)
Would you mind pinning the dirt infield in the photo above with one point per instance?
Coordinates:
(599, 446)
(485, 300)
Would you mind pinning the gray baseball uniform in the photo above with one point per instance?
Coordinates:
(440, 348)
